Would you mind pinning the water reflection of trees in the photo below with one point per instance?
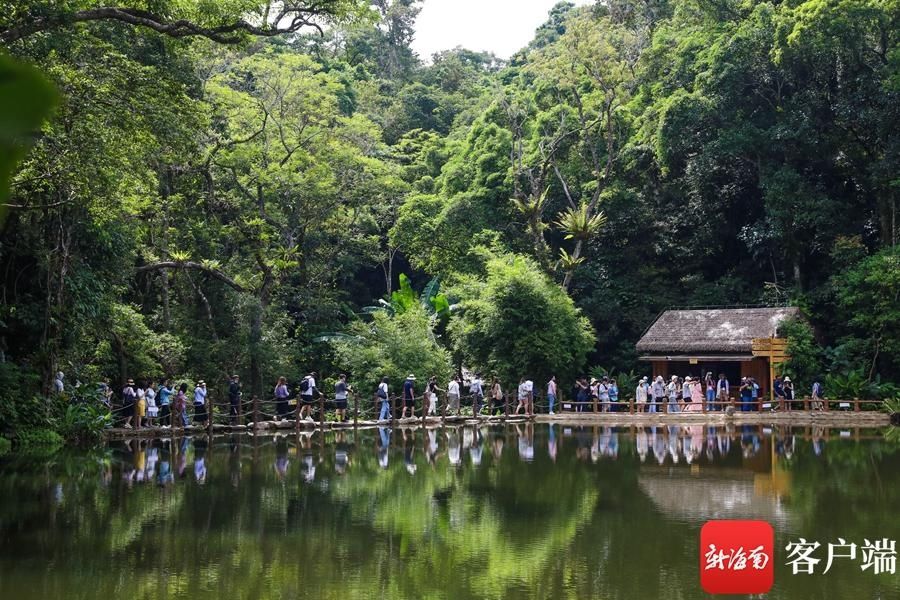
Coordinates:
(445, 513)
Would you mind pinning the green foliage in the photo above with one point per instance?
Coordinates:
(515, 322)
(868, 297)
(26, 99)
(806, 356)
(237, 203)
(391, 346)
(39, 440)
(5, 446)
(855, 384)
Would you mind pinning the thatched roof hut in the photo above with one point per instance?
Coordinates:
(712, 331)
(718, 340)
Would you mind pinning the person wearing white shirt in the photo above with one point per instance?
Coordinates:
(529, 406)
(453, 395)
(551, 392)
(477, 391)
(307, 396)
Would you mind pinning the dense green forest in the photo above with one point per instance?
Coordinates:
(268, 188)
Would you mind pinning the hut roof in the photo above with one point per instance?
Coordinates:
(729, 330)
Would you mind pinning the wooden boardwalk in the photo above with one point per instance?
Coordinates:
(792, 418)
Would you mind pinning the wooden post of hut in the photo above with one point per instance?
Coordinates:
(297, 414)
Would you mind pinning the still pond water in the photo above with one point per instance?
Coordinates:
(499, 512)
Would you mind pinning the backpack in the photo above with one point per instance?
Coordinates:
(304, 385)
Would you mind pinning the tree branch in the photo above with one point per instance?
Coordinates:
(188, 264)
(300, 15)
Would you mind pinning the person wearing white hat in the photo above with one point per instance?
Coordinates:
(788, 388)
(409, 396)
(640, 394)
(658, 392)
(672, 392)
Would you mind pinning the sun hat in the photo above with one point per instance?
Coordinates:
(674, 377)
(787, 379)
(411, 377)
(644, 378)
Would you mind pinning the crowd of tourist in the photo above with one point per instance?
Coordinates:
(164, 403)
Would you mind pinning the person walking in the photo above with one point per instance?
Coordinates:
(614, 395)
(710, 391)
(658, 393)
(165, 401)
(409, 396)
(341, 390)
(140, 405)
(308, 395)
(382, 395)
(477, 391)
(640, 395)
(788, 388)
(200, 413)
(430, 399)
(723, 391)
(754, 394)
(686, 387)
(521, 396)
(778, 391)
(818, 394)
(152, 408)
(551, 393)
(603, 394)
(129, 396)
(281, 394)
(181, 405)
(746, 391)
(672, 391)
(529, 397)
(696, 393)
(496, 397)
(234, 397)
(453, 395)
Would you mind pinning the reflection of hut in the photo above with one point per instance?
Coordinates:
(683, 342)
(699, 498)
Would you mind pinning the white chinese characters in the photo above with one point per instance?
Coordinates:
(880, 556)
(735, 559)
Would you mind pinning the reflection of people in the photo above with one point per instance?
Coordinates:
(281, 457)
(200, 461)
(526, 442)
(382, 448)
(552, 448)
(453, 447)
(341, 454)
(497, 447)
(476, 449)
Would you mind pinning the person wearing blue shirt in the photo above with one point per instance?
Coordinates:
(200, 403)
(409, 396)
(165, 402)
